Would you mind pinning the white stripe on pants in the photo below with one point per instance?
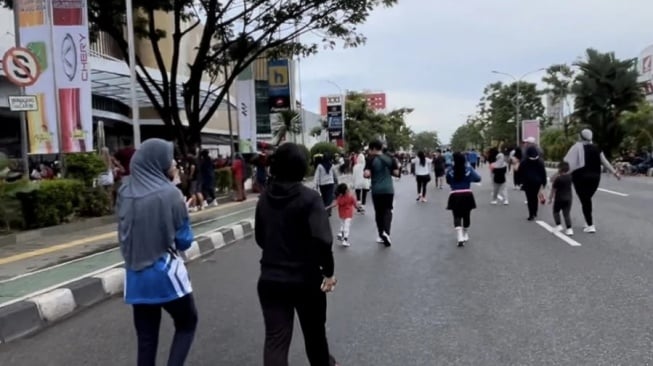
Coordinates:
(345, 224)
(500, 189)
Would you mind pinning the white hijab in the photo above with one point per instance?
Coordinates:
(576, 154)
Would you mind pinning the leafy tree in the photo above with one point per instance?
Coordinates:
(363, 124)
(556, 142)
(316, 131)
(288, 123)
(560, 79)
(425, 141)
(497, 109)
(231, 35)
(605, 88)
(638, 125)
(466, 136)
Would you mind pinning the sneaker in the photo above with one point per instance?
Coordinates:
(569, 232)
(339, 236)
(379, 240)
(345, 243)
(419, 198)
(424, 200)
(506, 203)
(465, 235)
(386, 239)
(493, 202)
(460, 236)
(214, 203)
(558, 228)
(590, 229)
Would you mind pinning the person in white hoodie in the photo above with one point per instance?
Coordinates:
(361, 184)
(325, 179)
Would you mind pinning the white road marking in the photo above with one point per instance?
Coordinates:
(613, 192)
(560, 235)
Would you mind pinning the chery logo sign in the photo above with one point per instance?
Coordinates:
(69, 57)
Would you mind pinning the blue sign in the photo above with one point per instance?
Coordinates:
(279, 78)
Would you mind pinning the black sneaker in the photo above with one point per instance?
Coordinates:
(386, 239)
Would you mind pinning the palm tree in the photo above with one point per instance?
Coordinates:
(288, 123)
(605, 88)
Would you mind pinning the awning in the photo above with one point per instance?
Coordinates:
(110, 78)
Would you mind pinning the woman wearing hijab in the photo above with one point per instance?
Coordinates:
(422, 174)
(156, 277)
(533, 180)
(461, 199)
(361, 184)
(499, 169)
(293, 231)
(585, 160)
(325, 180)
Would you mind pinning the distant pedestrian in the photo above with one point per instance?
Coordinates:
(472, 158)
(346, 204)
(325, 179)
(381, 168)
(561, 197)
(293, 231)
(585, 160)
(153, 228)
(361, 184)
(499, 170)
(461, 199)
(207, 175)
(533, 179)
(422, 174)
(438, 168)
(448, 159)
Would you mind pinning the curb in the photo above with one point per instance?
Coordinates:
(31, 315)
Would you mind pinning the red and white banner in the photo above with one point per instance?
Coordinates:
(72, 74)
(530, 128)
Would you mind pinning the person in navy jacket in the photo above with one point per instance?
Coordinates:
(461, 199)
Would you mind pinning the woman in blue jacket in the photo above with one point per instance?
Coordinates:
(461, 199)
(153, 228)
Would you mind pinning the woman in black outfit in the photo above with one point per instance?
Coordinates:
(532, 174)
(293, 230)
(585, 160)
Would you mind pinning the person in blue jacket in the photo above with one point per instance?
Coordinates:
(461, 199)
(153, 228)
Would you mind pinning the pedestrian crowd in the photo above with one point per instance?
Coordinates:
(293, 229)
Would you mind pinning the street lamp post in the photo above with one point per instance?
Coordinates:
(132, 73)
(517, 97)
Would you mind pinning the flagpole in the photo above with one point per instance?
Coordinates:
(136, 125)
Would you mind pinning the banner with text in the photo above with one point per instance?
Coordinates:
(335, 116)
(279, 85)
(73, 74)
(246, 101)
(34, 29)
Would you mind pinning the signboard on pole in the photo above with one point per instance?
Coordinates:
(21, 66)
(23, 103)
(34, 33)
(335, 116)
(530, 128)
(279, 85)
(246, 99)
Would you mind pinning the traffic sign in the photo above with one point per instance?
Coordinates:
(23, 103)
(21, 66)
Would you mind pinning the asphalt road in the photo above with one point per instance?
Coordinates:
(516, 295)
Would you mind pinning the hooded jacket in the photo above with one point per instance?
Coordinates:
(292, 228)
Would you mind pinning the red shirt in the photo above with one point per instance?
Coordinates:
(346, 204)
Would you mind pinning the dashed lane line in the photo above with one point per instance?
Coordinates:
(558, 234)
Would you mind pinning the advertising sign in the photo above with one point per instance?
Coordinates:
(530, 128)
(73, 74)
(335, 116)
(34, 30)
(246, 99)
(279, 84)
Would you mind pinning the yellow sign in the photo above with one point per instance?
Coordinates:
(278, 76)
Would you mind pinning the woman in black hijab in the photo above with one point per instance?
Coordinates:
(533, 180)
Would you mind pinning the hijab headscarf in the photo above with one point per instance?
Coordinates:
(327, 162)
(150, 208)
(500, 161)
(532, 153)
(576, 154)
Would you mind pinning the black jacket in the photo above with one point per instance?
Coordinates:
(532, 173)
(293, 229)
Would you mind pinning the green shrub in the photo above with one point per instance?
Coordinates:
(84, 166)
(324, 148)
(224, 181)
(94, 202)
(555, 144)
(51, 203)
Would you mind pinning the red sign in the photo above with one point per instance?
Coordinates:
(21, 66)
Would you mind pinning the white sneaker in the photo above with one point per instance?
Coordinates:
(558, 228)
(465, 235)
(494, 202)
(506, 203)
(569, 232)
(379, 240)
(590, 229)
(345, 243)
(460, 236)
(214, 203)
(386, 239)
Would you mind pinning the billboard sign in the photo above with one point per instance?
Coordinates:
(279, 85)
(335, 117)
(530, 128)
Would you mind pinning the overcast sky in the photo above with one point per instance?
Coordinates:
(436, 56)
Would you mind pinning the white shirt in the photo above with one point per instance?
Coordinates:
(422, 170)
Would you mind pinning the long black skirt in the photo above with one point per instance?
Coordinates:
(461, 201)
